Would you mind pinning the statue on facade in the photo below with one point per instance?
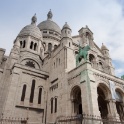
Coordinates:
(83, 52)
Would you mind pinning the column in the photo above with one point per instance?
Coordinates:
(113, 110)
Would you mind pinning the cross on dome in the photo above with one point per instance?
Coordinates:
(49, 15)
(34, 19)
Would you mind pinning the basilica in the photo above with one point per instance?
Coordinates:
(51, 74)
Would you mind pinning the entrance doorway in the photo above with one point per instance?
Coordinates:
(119, 105)
(76, 100)
(102, 103)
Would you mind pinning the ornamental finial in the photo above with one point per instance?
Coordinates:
(49, 15)
(34, 19)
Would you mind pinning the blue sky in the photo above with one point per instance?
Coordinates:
(104, 17)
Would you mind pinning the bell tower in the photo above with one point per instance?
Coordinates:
(86, 37)
(108, 60)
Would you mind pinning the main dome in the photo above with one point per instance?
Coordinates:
(31, 29)
(49, 24)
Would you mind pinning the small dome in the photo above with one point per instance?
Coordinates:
(104, 47)
(31, 29)
(49, 24)
(66, 26)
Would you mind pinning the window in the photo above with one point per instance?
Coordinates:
(31, 45)
(59, 61)
(100, 66)
(35, 46)
(69, 44)
(55, 105)
(50, 32)
(44, 31)
(49, 47)
(32, 91)
(51, 105)
(24, 44)
(23, 92)
(54, 64)
(39, 95)
(20, 44)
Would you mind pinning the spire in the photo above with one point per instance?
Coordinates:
(49, 15)
(34, 19)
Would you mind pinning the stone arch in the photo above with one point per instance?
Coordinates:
(92, 59)
(120, 102)
(76, 100)
(30, 63)
(50, 47)
(100, 65)
(105, 87)
(88, 37)
(103, 95)
(27, 58)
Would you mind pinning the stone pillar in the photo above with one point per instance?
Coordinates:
(113, 110)
(28, 43)
(109, 110)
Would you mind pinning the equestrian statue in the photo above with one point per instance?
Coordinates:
(83, 52)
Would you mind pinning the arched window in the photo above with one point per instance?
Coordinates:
(100, 66)
(35, 46)
(69, 44)
(88, 38)
(39, 95)
(32, 91)
(24, 44)
(23, 92)
(59, 61)
(55, 105)
(54, 64)
(51, 105)
(31, 45)
(49, 47)
(92, 59)
(20, 44)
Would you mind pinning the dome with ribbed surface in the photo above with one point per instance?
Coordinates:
(31, 30)
(49, 24)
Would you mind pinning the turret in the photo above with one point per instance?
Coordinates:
(30, 37)
(28, 43)
(109, 67)
(67, 43)
(66, 36)
(66, 31)
(105, 50)
(86, 37)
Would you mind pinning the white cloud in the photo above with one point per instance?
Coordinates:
(119, 71)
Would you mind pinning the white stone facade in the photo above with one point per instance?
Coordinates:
(40, 79)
